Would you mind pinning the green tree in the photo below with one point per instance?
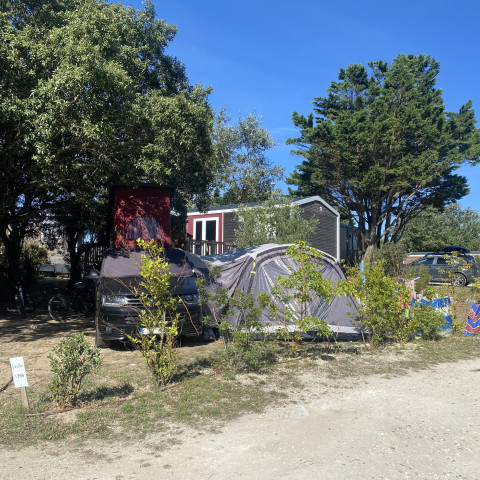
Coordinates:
(88, 97)
(245, 174)
(80, 223)
(381, 146)
(274, 221)
(431, 229)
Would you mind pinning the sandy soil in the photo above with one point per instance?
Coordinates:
(421, 426)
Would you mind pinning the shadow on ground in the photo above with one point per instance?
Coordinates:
(37, 324)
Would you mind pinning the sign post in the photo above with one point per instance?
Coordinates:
(20, 378)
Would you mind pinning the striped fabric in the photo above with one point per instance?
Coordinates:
(472, 326)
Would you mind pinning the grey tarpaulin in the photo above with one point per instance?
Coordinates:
(118, 263)
(254, 270)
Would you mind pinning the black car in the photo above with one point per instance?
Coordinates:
(117, 306)
(458, 269)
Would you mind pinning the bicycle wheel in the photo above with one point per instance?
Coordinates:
(57, 308)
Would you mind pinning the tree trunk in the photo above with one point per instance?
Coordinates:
(369, 252)
(12, 243)
(75, 264)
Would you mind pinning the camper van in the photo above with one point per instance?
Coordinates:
(118, 306)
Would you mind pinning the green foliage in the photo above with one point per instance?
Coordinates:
(432, 229)
(476, 289)
(423, 279)
(89, 98)
(428, 292)
(381, 147)
(244, 348)
(295, 293)
(383, 304)
(70, 362)
(215, 303)
(32, 257)
(427, 321)
(392, 255)
(248, 327)
(274, 221)
(452, 290)
(159, 318)
(245, 174)
(257, 358)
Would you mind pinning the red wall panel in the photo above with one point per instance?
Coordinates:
(142, 212)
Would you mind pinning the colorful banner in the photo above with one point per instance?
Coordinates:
(472, 327)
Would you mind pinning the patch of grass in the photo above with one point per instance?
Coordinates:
(122, 402)
(398, 359)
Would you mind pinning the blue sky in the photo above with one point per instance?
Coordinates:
(274, 57)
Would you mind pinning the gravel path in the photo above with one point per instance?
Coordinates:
(422, 426)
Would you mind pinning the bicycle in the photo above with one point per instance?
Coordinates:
(80, 299)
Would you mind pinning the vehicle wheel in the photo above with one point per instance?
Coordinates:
(57, 308)
(459, 280)
(99, 341)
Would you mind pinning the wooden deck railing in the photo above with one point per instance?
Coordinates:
(207, 247)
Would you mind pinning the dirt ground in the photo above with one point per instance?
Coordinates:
(424, 425)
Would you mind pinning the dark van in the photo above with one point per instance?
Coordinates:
(117, 306)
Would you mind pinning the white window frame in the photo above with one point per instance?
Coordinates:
(204, 229)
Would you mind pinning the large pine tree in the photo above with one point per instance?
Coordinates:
(381, 147)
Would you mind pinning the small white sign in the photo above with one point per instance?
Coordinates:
(18, 372)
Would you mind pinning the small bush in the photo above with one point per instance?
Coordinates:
(258, 357)
(158, 316)
(245, 350)
(71, 361)
(31, 258)
(430, 292)
(423, 278)
(427, 321)
(476, 290)
(383, 304)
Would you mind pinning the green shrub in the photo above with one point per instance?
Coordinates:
(256, 358)
(31, 258)
(455, 293)
(422, 280)
(158, 315)
(429, 292)
(383, 304)
(244, 342)
(71, 361)
(427, 321)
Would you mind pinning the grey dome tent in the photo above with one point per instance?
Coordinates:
(254, 270)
